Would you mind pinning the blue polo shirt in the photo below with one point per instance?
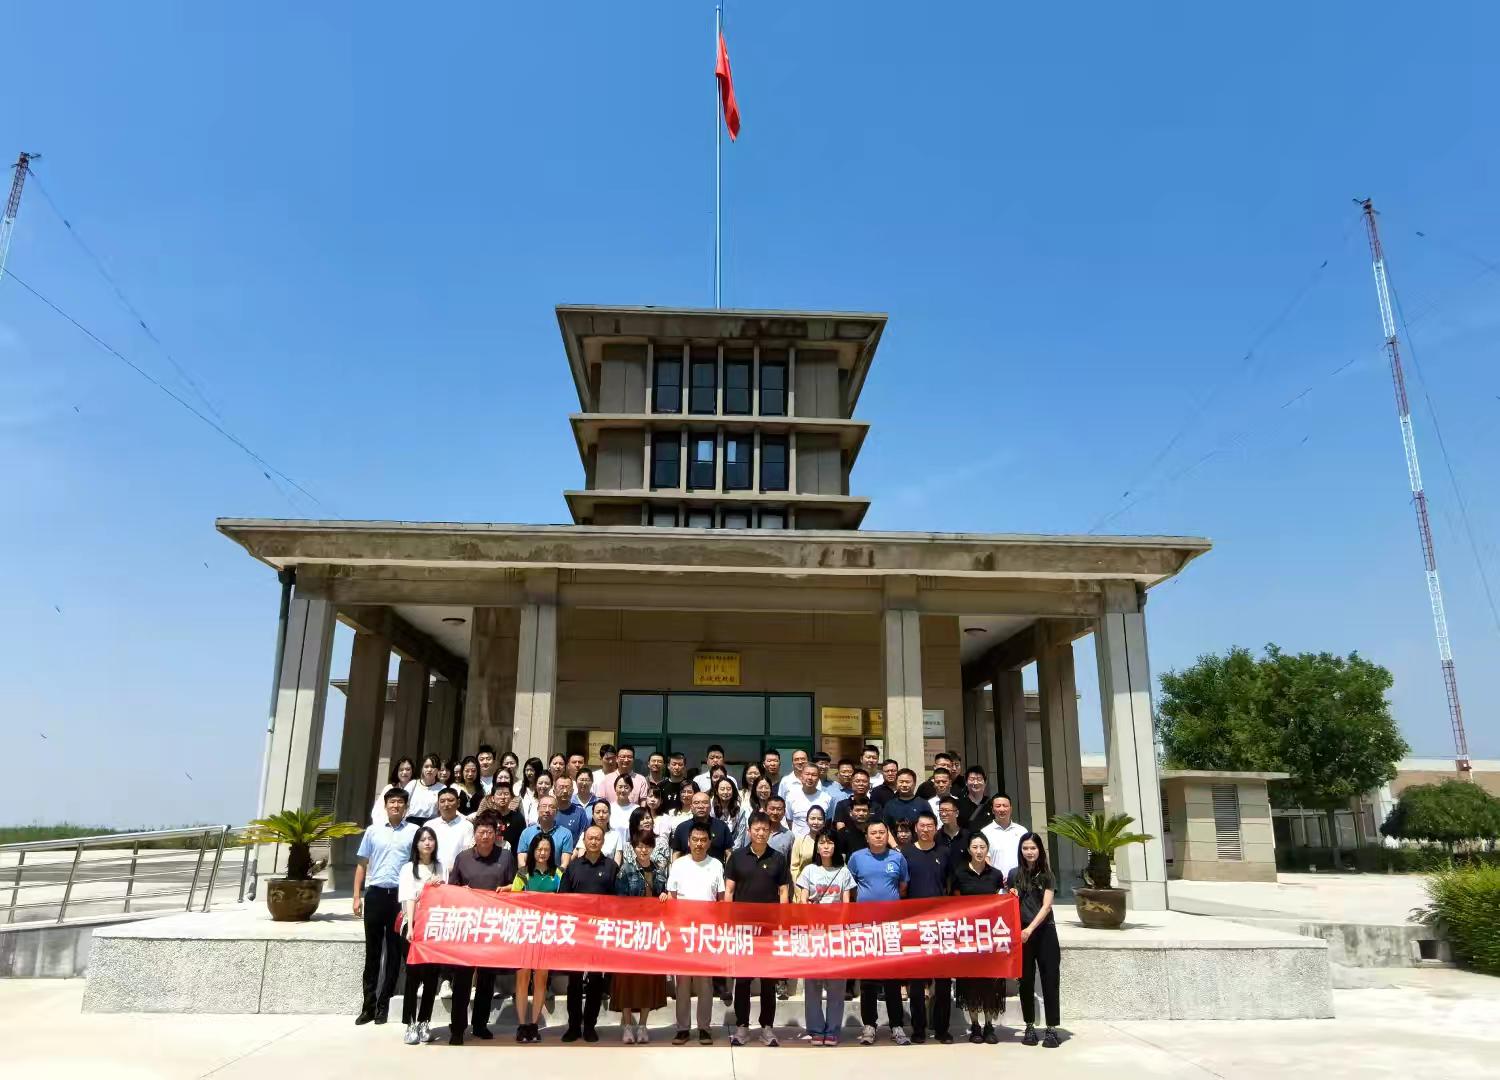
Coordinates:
(878, 876)
(575, 819)
(563, 840)
(386, 848)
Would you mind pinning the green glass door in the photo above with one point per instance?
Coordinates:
(745, 725)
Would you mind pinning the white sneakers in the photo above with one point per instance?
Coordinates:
(411, 1036)
(768, 1037)
(738, 1036)
(867, 1036)
(628, 1036)
(424, 1032)
(899, 1036)
(642, 1036)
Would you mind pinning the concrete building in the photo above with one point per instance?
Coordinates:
(713, 587)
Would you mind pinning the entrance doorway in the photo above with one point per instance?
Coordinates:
(689, 722)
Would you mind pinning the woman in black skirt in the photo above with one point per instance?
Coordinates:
(1033, 885)
(980, 997)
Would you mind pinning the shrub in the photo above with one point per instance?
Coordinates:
(1453, 812)
(1466, 908)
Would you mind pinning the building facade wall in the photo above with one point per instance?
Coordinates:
(1191, 813)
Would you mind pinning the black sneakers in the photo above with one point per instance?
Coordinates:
(1029, 1039)
(1050, 1040)
(365, 1015)
(572, 1035)
(974, 1036)
(989, 1034)
(681, 1038)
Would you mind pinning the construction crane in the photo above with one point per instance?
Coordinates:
(1418, 495)
(13, 205)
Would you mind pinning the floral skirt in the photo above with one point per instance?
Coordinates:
(634, 991)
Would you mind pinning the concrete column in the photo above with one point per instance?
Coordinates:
(1014, 748)
(442, 718)
(903, 674)
(536, 670)
(359, 750)
(412, 682)
(1061, 752)
(1134, 783)
(297, 727)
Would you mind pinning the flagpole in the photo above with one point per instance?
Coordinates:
(718, 153)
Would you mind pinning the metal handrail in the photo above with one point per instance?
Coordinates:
(145, 868)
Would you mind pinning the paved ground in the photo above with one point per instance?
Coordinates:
(1438, 1023)
(1351, 898)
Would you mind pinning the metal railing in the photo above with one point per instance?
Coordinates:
(157, 871)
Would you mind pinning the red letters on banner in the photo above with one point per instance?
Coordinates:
(972, 937)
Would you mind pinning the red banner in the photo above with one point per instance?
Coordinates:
(959, 937)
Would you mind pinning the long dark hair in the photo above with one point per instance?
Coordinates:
(396, 770)
(725, 811)
(635, 822)
(535, 766)
(1036, 875)
(539, 838)
(459, 779)
(416, 859)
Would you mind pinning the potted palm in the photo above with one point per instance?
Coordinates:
(1099, 904)
(295, 897)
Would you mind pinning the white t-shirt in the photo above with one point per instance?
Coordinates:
(414, 878)
(423, 802)
(377, 812)
(824, 885)
(692, 880)
(619, 820)
(1005, 845)
(612, 845)
(799, 802)
(452, 837)
(702, 781)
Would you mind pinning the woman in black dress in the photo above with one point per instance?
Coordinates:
(1032, 884)
(976, 877)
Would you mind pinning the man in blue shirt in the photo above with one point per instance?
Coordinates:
(383, 850)
(563, 840)
(570, 814)
(880, 873)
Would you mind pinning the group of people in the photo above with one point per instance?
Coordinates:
(824, 832)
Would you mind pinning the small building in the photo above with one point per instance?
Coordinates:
(714, 587)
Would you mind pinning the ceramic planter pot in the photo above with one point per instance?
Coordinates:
(293, 899)
(1101, 909)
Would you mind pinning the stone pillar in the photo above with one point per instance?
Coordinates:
(1058, 697)
(490, 699)
(1134, 783)
(412, 688)
(442, 717)
(902, 648)
(359, 750)
(1014, 748)
(297, 728)
(536, 669)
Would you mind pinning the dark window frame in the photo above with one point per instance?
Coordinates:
(697, 391)
(739, 400)
(657, 385)
(776, 394)
(745, 467)
(699, 470)
(674, 440)
(781, 441)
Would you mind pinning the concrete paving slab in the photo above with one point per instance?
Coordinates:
(1425, 1023)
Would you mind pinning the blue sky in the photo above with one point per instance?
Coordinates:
(351, 225)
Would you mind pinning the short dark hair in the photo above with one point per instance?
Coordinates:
(699, 827)
(926, 814)
(821, 756)
(979, 769)
(862, 772)
(775, 798)
(607, 748)
(838, 854)
(485, 748)
(677, 755)
(949, 799)
(487, 819)
(943, 755)
(771, 753)
(871, 747)
(859, 800)
(758, 817)
(849, 761)
(714, 747)
(448, 791)
(905, 772)
(396, 792)
(889, 761)
(942, 770)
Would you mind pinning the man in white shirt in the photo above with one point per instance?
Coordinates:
(606, 765)
(696, 877)
(486, 757)
(714, 757)
(869, 761)
(1004, 836)
(802, 798)
(454, 831)
(794, 778)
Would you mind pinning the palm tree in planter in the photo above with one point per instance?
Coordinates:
(294, 898)
(1099, 904)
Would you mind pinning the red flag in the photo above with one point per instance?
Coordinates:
(726, 90)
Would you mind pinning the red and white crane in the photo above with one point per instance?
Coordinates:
(13, 205)
(1418, 495)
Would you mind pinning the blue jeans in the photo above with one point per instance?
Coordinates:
(813, 993)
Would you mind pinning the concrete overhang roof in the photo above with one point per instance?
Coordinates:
(1147, 560)
(585, 327)
(850, 508)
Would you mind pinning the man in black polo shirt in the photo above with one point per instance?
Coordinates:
(592, 875)
(943, 759)
(487, 867)
(885, 791)
(676, 785)
(904, 806)
(974, 801)
(720, 839)
(929, 870)
(859, 784)
(951, 836)
(852, 836)
(756, 874)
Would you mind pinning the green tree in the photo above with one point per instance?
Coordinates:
(1450, 813)
(1320, 717)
